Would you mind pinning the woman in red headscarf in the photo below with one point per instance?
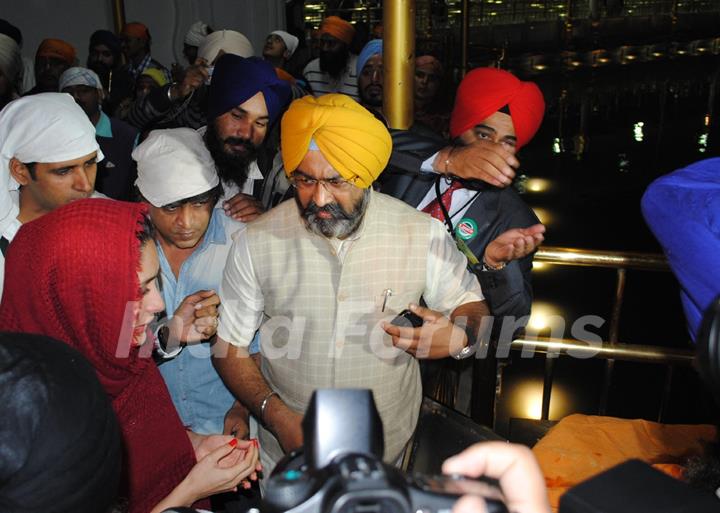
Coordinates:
(85, 274)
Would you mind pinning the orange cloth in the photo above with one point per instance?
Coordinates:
(58, 49)
(136, 30)
(581, 446)
(284, 75)
(338, 28)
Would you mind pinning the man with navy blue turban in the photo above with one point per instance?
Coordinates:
(245, 98)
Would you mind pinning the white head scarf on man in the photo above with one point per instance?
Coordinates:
(10, 58)
(46, 127)
(291, 42)
(228, 41)
(79, 76)
(196, 34)
(172, 165)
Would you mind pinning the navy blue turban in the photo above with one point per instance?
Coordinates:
(236, 79)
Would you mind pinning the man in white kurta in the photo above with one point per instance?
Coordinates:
(321, 277)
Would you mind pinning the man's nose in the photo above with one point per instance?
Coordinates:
(244, 130)
(321, 196)
(185, 217)
(82, 182)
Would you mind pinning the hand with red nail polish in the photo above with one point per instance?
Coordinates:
(222, 470)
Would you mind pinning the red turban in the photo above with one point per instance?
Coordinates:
(57, 48)
(484, 91)
(136, 30)
(338, 28)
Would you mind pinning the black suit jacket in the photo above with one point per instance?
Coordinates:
(508, 292)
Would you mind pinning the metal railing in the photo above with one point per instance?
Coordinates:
(609, 350)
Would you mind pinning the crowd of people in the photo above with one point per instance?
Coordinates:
(219, 241)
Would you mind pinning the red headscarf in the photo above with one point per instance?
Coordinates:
(72, 275)
(484, 91)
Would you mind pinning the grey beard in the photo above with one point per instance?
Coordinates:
(341, 225)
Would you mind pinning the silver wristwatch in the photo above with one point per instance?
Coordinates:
(466, 352)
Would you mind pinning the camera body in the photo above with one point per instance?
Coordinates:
(341, 469)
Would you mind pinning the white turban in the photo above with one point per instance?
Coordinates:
(228, 41)
(291, 42)
(173, 165)
(79, 76)
(10, 58)
(46, 128)
(196, 34)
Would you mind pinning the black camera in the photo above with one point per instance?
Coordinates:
(340, 469)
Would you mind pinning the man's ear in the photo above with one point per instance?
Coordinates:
(286, 55)
(20, 172)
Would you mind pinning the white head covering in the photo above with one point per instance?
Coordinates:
(228, 41)
(196, 33)
(173, 165)
(10, 58)
(79, 76)
(291, 42)
(46, 128)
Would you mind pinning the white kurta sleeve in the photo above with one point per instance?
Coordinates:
(448, 283)
(241, 299)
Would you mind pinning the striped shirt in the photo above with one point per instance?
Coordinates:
(321, 83)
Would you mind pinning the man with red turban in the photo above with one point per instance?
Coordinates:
(335, 71)
(495, 115)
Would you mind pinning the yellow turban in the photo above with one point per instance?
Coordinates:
(356, 144)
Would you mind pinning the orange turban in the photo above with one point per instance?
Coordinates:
(352, 140)
(136, 30)
(338, 28)
(484, 91)
(58, 49)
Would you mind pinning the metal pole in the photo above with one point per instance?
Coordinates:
(547, 386)
(605, 393)
(398, 62)
(118, 8)
(613, 336)
(617, 305)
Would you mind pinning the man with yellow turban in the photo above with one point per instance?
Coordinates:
(335, 71)
(323, 276)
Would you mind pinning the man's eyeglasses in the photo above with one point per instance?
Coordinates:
(332, 185)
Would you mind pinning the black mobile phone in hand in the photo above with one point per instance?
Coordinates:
(407, 319)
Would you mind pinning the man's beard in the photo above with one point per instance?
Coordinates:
(103, 72)
(341, 225)
(371, 100)
(231, 167)
(334, 63)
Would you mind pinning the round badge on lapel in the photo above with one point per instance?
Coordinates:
(466, 229)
